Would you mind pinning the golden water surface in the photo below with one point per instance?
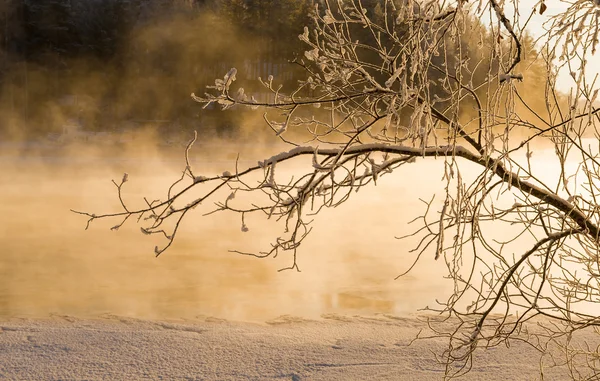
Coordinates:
(50, 265)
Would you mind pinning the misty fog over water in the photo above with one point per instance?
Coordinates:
(51, 265)
(122, 98)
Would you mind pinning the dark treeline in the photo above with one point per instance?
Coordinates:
(106, 65)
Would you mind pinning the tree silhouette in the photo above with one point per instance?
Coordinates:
(404, 82)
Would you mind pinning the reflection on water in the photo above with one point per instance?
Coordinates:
(50, 265)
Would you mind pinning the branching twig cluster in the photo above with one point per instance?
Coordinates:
(426, 79)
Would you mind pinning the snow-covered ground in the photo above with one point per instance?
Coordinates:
(334, 347)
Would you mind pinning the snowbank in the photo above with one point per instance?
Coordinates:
(332, 348)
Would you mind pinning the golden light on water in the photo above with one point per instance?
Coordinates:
(51, 265)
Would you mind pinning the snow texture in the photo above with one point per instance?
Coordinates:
(335, 347)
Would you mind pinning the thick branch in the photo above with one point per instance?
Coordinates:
(496, 167)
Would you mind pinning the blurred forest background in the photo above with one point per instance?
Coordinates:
(109, 64)
(114, 65)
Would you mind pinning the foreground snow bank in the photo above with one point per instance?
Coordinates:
(333, 348)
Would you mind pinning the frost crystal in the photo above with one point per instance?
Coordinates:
(328, 18)
(304, 36)
(282, 129)
(394, 77)
(312, 55)
(240, 94)
(271, 180)
(230, 77)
